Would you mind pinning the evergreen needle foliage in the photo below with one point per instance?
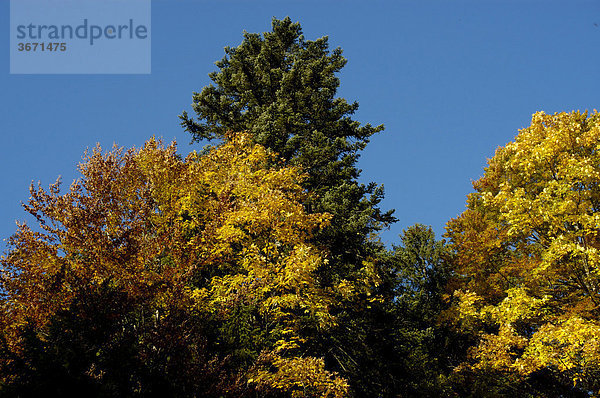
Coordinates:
(282, 89)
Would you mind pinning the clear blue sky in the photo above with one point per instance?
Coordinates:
(451, 81)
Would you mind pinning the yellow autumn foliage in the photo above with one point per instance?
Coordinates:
(526, 253)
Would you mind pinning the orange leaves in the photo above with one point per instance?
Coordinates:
(204, 239)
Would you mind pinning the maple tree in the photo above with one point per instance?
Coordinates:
(157, 274)
(527, 263)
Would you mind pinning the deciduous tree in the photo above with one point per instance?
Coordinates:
(160, 275)
(527, 263)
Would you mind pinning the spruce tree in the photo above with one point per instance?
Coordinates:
(282, 88)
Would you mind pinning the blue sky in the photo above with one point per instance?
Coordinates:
(451, 81)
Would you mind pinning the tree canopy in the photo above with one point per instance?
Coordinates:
(154, 274)
(526, 258)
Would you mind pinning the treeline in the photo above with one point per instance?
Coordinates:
(253, 267)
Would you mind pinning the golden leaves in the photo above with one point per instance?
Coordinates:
(527, 250)
(571, 345)
(298, 377)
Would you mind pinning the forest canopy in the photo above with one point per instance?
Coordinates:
(254, 267)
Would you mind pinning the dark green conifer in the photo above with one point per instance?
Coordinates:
(282, 88)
